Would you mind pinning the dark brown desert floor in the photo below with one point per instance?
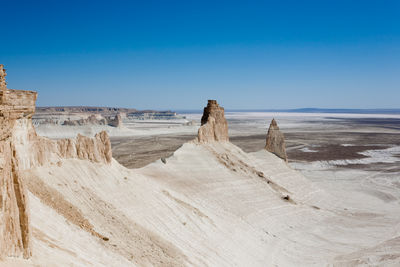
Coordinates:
(136, 152)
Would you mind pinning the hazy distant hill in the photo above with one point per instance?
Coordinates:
(357, 111)
(309, 110)
(84, 109)
(97, 110)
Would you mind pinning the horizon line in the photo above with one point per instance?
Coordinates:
(301, 110)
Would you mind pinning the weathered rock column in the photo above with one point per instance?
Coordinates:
(116, 121)
(214, 126)
(3, 83)
(275, 142)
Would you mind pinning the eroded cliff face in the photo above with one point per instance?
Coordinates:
(14, 211)
(275, 142)
(20, 149)
(214, 126)
(38, 151)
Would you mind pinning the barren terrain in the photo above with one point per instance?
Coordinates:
(179, 198)
(318, 140)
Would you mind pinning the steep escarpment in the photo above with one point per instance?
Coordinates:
(20, 149)
(14, 213)
(275, 142)
(214, 126)
(35, 150)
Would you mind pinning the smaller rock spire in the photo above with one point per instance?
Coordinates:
(275, 142)
(116, 121)
(3, 84)
(214, 126)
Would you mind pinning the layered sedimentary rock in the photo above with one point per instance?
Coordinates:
(275, 142)
(38, 151)
(214, 126)
(14, 212)
(104, 111)
(91, 120)
(103, 115)
(21, 148)
(96, 120)
(152, 115)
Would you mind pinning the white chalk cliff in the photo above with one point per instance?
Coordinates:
(22, 149)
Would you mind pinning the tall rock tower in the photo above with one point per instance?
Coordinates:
(3, 74)
(214, 126)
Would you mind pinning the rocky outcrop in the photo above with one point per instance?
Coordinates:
(214, 126)
(91, 120)
(20, 149)
(116, 121)
(3, 74)
(39, 151)
(275, 142)
(96, 120)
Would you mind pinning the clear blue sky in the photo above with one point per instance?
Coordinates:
(178, 54)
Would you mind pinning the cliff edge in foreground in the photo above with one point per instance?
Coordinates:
(14, 213)
(20, 149)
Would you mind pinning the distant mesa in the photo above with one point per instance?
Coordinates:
(94, 119)
(275, 142)
(83, 115)
(105, 111)
(91, 120)
(214, 126)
